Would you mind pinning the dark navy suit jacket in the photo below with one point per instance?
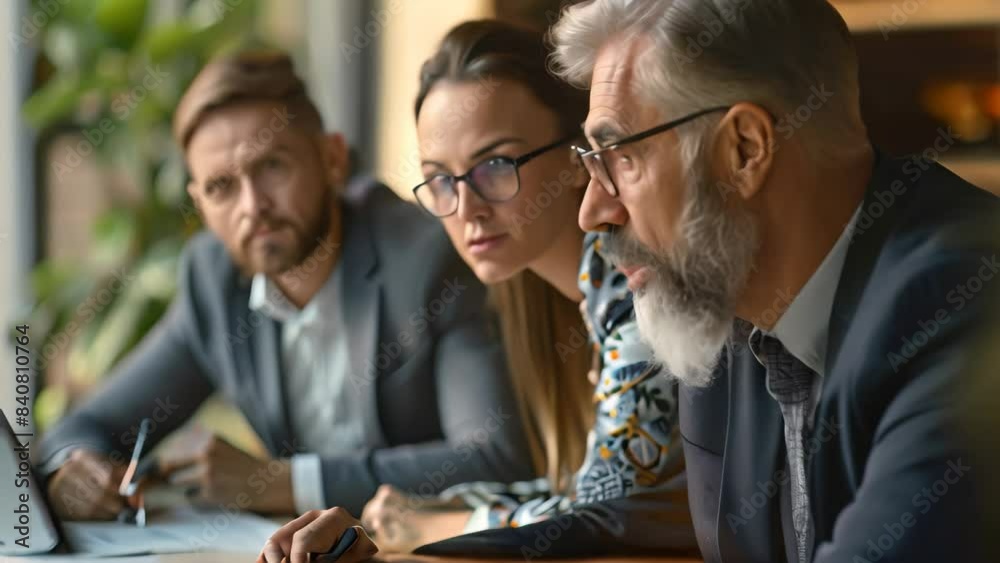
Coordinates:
(890, 478)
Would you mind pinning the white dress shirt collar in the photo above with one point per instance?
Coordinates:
(267, 298)
(804, 327)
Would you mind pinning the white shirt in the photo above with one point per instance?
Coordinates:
(805, 325)
(326, 418)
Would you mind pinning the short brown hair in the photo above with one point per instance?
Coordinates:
(245, 76)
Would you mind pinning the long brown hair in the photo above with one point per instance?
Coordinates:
(537, 321)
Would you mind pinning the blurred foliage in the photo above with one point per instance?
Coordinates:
(105, 67)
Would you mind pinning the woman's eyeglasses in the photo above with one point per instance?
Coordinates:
(495, 180)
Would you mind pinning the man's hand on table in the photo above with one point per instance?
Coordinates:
(86, 487)
(216, 472)
(317, 532)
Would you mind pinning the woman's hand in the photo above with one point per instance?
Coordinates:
(400, 524)
(317, 532)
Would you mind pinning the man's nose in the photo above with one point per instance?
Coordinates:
(599, 210)
(253, 200)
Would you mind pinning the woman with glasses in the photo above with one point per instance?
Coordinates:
(496, 135)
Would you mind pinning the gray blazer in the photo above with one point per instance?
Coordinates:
(433, 381)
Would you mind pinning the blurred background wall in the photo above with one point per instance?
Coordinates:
(17, 240)
(93, 209)
(411, 36)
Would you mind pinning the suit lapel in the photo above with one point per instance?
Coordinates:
(749, 520)
(267, 350)
(256, 352)
(361, 301)
(867, 242)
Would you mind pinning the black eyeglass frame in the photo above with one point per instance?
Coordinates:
(516, 162)
(594, 155)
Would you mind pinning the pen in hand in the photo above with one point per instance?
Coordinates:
(345, 542)
(328, 535)
(135, 511)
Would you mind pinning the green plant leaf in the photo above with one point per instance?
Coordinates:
(77, 11)
(171, 40)
(121, 19)
(50, 405)
(108, 313)
(59, 290)
(111, 68)
(156, 272)
(128, 317)
(50, 276)
(54, 101)
(103, 51)
(114, 232)
(170, 180)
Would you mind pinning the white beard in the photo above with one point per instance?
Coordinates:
(688, 348)
(686, 309)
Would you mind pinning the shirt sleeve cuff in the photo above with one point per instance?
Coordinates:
(307, 483)
(57, 459)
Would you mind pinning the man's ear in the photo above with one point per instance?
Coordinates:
(334, 153)
(745, 146)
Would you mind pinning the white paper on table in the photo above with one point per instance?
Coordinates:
(181, 529)
(77, 558)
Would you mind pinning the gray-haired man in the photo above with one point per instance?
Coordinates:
(819, 356)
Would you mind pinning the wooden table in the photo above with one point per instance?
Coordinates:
(230, 557)
(414, 559)
(242, 558)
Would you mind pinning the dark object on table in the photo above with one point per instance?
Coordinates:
(347, 539)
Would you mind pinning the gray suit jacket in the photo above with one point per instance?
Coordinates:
(425, 360)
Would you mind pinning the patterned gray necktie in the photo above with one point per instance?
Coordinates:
(791, 383)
